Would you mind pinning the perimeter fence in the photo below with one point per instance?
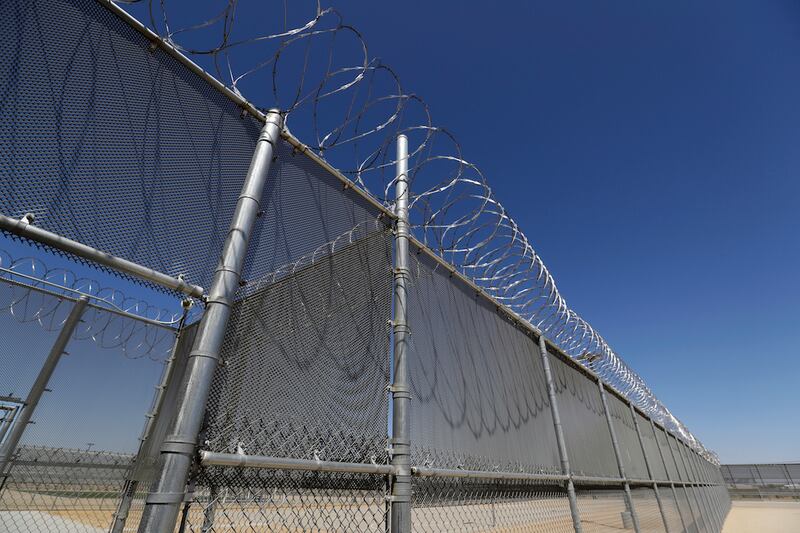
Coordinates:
(763, 481)
(317, 368)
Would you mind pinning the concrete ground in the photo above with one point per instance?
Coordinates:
(763, 517)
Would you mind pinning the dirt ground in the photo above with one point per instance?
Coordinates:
(763, 517)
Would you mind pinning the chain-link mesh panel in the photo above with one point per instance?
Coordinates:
(698, 508)
(586, 433)
(603, 510)
(96, 121)
(61, 489)
(761, 480)
(679, 460)
(651, 448)
(79, 453)
(479, 396)
(671, 510)
(646, 506)
(629, 446)
(669, 458)
(304, 206)
(461, 505)
(689, 516)
(235, 499)
(306, 363)
(25, 342)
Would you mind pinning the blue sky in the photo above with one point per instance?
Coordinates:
(650, 152)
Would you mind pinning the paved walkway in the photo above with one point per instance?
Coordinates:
(763, 517)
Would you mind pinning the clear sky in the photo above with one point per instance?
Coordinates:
(650, 152)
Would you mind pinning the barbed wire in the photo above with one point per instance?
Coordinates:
(349, 108)
(33, 293)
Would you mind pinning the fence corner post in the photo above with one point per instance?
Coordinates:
(179, 447)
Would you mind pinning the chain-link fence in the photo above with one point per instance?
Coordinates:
(763, 481)
(272, 394)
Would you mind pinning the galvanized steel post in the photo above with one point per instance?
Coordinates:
(179, 447)
(695, 519)
(23, 417)
(132, 483)
(669, 476)
(618, 455)
(562, 446)
(401, 391)
(647, 466)
(701, 500)
(700, 519)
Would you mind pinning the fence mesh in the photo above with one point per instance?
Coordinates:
(585, 426)
(762, 481)
(671, 511)
(603, 510)
(79, 453)
(306, 361)
(94, 120)
(650, 444)
(629, 446)
(456, 505)
(479, 397)
(234, 499)
(647, 510)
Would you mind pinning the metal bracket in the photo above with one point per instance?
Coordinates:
(165, 497)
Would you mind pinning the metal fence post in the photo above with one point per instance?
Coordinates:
(703, 486)
(618, 455)
(401, 391)
(132, 483)
(23, 416)
(179, 447)
(562, 446)
(669, 477)
(695, 521)
(647, 466)
(700, 485)
(701, 519)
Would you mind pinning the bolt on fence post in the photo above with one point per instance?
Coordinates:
(560, 441)
(401, 391)
(647, 467)
(23, 417)
(669, 476)
(618, 455)
(179, 447)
